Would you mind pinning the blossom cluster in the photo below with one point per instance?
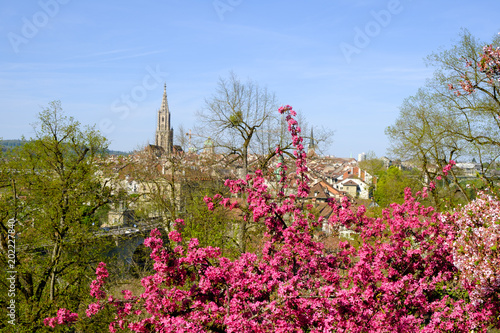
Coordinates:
(489, 65)
(63, 317)
(447, 169)
(97, 284)
(300, 162)
(490, 62)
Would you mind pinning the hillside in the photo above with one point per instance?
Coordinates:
(10, 144)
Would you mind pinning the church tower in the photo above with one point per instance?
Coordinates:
(164, 133)
(311, 149)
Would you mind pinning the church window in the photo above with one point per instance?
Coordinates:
(162, 119)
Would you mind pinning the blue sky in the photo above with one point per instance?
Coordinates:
(107, 60)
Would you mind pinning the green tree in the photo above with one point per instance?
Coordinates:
(391, 185)
(50, 187)
(444, 121)
(216, 228)
(372, 164)
(161, 178)
(421, 138)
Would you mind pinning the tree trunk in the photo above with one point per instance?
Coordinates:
(242, 236)
(245, 160)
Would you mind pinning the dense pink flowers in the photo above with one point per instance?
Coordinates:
(475, 249)
(63, 317)
(92, 309)
(175, 236)
(490, 61)
(97, 284)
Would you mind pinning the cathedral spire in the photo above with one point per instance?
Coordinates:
(164, 133)
(311, 151)
(164, 104)
(311, 142)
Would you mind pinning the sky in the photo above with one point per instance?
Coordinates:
(346, 65)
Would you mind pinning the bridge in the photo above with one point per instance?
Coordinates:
(128, 239)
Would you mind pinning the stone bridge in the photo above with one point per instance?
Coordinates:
(129, 240)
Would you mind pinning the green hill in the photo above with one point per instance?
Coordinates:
(10, 144)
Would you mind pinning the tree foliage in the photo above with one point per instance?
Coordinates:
(455, 116)
(218, 228)
(372, 164)
(391, 186)
(49, 186)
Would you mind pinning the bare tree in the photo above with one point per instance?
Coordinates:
(319, 137)
(236, 113)
(241, 118)
(182, 138)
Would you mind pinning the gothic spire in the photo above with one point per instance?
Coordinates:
(311, 142)
(164, 104)
(311, 149)
(164, 133)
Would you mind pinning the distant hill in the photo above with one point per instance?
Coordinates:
(117, 152)
(10, 144)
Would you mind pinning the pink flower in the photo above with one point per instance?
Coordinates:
(175, 236)
(92, 309)
(63, 317)
(127, 294)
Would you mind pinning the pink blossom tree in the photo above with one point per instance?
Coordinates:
(398, 275)
(475, 249)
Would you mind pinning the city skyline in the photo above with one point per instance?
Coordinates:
(346, 65)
